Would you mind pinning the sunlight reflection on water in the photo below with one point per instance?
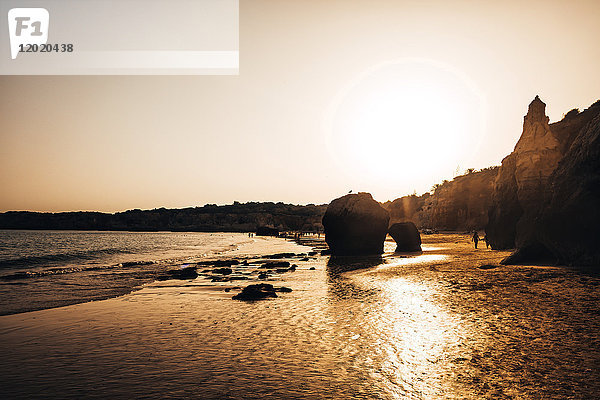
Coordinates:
(412, 333)
(420, 259)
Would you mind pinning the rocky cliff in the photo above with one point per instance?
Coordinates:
(569, 223)
(523, 177)
(531, 188)
(406, 208)
(460, 204)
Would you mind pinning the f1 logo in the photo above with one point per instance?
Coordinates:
(27, 26)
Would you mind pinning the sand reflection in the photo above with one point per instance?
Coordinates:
(395, 328)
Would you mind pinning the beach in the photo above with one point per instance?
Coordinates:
(448, 323)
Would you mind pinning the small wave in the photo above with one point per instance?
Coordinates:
(69, 270)
(37, 274)
(27, 261)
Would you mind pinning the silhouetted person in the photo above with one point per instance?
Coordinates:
(475, 238)
(487, 243)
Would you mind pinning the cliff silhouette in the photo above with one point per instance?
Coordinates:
(546, 200)
(236, 217)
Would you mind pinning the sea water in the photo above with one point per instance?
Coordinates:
(449, 323)
(45, 269)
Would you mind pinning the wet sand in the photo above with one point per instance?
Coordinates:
(430, 325)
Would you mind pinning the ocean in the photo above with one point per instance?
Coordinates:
(447, 323)
(45, 269)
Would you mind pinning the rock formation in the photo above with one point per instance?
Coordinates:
(406, 235)
(546, 196)
(355, 224)
(461, 204)
(569, 224)
(523, 177)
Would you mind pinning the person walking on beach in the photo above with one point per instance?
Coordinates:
(487, 243)
(475, 238)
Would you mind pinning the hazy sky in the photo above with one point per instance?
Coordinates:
(389, 97)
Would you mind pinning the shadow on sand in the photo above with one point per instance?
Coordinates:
(340, 264)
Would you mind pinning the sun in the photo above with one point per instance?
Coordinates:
(404, 126)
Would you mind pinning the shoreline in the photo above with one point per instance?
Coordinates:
(311, 244)
(426, 318)
(255, 248)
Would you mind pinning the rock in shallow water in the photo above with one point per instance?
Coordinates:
(184, 273)
(355, 224)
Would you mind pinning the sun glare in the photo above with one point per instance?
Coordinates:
(405, 126)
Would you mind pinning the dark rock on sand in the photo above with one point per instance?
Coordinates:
(407, 236)
(183, 273)
(263, 275)
(256, 292)
(292, 268)
(355, 224)
(260, 291)
(276, 264)
(222, 271)
(282, 255)
(225, 263)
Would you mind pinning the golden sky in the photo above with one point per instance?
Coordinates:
(389, 97)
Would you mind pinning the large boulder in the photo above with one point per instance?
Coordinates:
(407, 236)
(355, 224)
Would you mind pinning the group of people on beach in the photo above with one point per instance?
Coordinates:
(475, 239)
